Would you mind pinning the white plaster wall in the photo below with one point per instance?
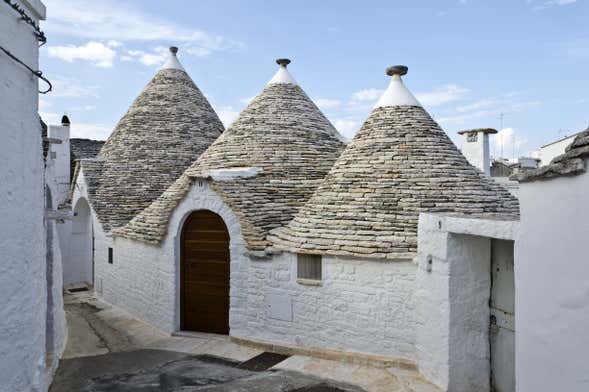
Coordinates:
(552, 286)
(477, 153)
(362, 305)
(22, 233)
(470, 290)
(548, 152)
(144, 278)
(57, 170)
(56, 332)
(97, 268)
(453, 299)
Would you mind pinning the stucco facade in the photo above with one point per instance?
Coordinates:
(453, 287)
(553, 289)
(23, 274)
(363, 306)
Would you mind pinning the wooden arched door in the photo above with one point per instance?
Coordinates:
(204, 274)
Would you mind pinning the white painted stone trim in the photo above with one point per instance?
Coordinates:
(173, 63)
(282, 76)
(234, 172)
(397, 95)
(454, 251)
(499, 229)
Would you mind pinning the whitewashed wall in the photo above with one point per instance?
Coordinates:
(77, 266)
(477, 153)
(144, 279)
(23, 293)
(452, 296)
(363, 306)
(552, 286)
(548, 152)
(56, 327)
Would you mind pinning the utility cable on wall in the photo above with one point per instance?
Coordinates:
(38, 33)
(38, 74)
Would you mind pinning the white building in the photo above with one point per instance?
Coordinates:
(549, 151)
(166, 128)
(552, 288)
(476, 148)
(275, 238)
(32, 326)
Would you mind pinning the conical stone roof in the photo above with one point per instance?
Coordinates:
(168, 126)
(265, 166)
(399, 164)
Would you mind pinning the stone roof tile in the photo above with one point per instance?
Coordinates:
(285, 137)
(168, 126)
(399, 164)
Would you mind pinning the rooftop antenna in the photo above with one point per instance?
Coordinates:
(501, 117)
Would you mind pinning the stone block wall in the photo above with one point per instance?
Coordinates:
(362, 306)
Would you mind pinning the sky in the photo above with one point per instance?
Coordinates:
(471, 62)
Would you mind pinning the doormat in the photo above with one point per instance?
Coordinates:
(262, 362)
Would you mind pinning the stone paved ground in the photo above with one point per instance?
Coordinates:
(108, 350)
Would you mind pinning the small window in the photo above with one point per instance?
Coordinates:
(110, 256)
(471, 137)
(309, 267)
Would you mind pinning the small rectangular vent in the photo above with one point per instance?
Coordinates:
(110, 256)
(308, 267)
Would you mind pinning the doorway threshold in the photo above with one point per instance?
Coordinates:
(200, 335)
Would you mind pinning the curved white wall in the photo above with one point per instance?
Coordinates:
(362, 305)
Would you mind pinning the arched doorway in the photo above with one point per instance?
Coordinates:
(80, 268)
(204, 274)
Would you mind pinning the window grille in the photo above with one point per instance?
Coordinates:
(308, 267)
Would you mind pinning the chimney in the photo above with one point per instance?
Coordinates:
(475, 148)
(65, 121)
(58, 167)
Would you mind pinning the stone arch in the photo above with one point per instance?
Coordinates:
(205, 272)
(80, 268)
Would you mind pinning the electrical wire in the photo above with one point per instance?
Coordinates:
(40, 34)
(38, 74)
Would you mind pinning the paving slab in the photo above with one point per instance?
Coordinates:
(110, 350)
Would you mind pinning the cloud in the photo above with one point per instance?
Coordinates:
(79, 129)
(368, 94)
(550, 3)
(247, 100)
(227, 114)
(90, 131)
(442, 95)
(94, 52)
(346, 127)
(156, 57)
(112, 21)
(438, 96)
(326, 103)
(507, 143)
(64, 87)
